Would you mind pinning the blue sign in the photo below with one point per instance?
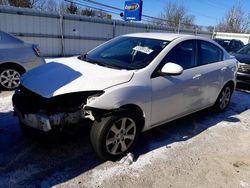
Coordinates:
(133, 10)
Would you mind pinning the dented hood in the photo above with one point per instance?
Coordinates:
(69, 75)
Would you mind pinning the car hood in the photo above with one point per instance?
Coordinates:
(242, 58)
(69, 75)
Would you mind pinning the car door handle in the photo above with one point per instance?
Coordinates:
(223, 68)
(197, 76)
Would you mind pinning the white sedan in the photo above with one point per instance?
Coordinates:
(127, 85)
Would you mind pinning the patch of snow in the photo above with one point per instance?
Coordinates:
(133, 170)
(244, 184)
(5, 103)
(48, 60)
(128, 159)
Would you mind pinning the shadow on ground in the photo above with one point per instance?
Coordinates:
(52, 159)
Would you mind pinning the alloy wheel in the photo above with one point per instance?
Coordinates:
(10, 78)
(120, 136)
(225, 97)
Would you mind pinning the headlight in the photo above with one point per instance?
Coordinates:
(69, 102)
(93, 97)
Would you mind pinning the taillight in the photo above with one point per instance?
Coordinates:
(36, 50)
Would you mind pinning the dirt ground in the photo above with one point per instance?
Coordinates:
(206, 149)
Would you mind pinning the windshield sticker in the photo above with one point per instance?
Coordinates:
(143, 49)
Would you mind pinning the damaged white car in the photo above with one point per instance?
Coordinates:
(127, 85)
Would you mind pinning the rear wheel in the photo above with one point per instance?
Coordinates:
(224, 98)
(115, 135)
(10, 77)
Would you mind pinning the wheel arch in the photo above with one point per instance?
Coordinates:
(232, 85)
(137, 111)
(13, 65)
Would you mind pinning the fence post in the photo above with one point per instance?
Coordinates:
(114, 28)
(62, 34)
(179, 26)
(213, 33)
(196, 31)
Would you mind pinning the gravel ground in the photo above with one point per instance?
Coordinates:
(202, 150)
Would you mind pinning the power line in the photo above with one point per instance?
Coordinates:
(79, 2)
(99, 9)
(104, 5)
(222, 5)
(146, 16)
(201, 14)
(116, 8)
(91, 7)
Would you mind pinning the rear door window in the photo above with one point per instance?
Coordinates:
(209, 53)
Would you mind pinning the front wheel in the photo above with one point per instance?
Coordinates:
(115, 135)
(224, 98)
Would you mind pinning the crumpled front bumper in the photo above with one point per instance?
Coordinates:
(37, 121)
(45, 123)
(44, 113)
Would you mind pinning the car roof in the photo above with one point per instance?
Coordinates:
(161, 36)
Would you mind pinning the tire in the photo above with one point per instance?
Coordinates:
(114, 136)
(10, 77)
(224, 98)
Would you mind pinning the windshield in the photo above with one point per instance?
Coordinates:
(245, 50)
(126, 52)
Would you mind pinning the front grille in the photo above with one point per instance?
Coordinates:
(245, 68)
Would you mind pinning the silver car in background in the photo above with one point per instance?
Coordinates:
(16, 58)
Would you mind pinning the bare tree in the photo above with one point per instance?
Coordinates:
(235, 21)
(51, 6)
(62, 7)
(210, 28)
(175, 14)
(88, 12)
(40, 4)
(72, 8)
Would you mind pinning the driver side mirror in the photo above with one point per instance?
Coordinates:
(171, 69)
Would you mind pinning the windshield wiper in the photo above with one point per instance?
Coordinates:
(101, 63)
